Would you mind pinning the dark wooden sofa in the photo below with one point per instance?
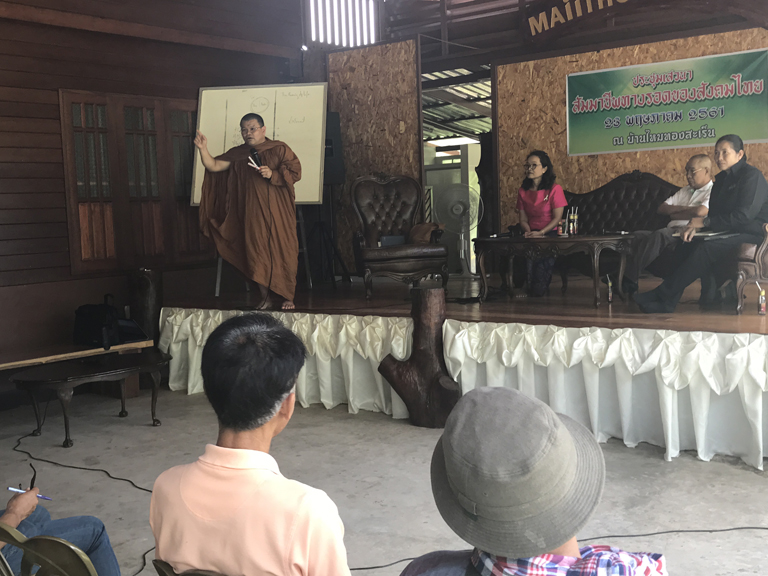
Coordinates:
(751, 267)
(629, 203)
(626, 203)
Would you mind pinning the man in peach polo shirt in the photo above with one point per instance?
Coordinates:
(232, 511)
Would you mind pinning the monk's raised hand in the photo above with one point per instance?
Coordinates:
(265, 171)
(201, 141)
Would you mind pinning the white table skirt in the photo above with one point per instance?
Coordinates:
(680, 390)
(343, 355)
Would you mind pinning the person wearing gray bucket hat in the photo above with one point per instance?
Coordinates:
(517, 481)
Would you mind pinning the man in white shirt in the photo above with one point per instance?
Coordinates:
(691, 201)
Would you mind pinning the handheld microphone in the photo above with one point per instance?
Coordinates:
(255, 157)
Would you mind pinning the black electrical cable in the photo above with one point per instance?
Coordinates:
(144, 556)
(662, 532)
(611, 536)
(143, 562)
(383, 565)
(129, 481)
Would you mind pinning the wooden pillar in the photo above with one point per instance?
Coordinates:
(423, 381)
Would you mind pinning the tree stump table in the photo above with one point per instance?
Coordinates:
(423, 381)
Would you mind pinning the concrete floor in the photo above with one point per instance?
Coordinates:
(376, 470)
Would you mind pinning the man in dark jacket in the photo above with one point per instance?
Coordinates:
(738, 206)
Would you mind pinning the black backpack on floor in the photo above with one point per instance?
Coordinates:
(97, 324)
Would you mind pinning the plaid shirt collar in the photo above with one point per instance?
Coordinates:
(594, 561)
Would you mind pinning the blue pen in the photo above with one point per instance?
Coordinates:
(22, 492)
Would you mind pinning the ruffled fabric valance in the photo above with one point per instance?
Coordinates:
(343, 355)
(681, 390)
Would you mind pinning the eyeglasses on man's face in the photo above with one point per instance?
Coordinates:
(692, 171)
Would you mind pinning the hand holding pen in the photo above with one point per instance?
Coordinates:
(20, 491)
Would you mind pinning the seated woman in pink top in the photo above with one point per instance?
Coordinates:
(540, 204)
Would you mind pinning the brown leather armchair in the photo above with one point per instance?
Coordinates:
(392, 206)
(751, 266)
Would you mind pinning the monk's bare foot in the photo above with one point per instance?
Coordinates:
(288, 305)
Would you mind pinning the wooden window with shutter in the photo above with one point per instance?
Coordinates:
(128, 167)
(143, 182)
(88, 162)
(190, 243)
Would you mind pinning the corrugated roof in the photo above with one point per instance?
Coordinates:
(444, 119)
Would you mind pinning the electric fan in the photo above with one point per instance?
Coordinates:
(460, 208)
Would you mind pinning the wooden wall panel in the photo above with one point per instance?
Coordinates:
(35, 62)
(271, 22)
(532, 115)
(32, 200)
(18, 233)
(39, 169)
(12, 139)
(35, 245)
(375, 90)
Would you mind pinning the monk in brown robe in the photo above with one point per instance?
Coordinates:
(250, 212)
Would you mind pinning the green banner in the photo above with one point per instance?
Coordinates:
(676, 104)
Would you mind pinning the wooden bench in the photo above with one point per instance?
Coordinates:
(65, 375)
(63, 352)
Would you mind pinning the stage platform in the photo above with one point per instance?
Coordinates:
(573, 309)
(686, 381)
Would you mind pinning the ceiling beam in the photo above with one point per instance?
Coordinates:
(446, 96)
(13, 11)
(458, 131)
(447, 121)
(750, 11)
(443, 104)
(455, 80)
(520, 53)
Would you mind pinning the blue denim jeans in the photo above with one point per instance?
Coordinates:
(85, 532)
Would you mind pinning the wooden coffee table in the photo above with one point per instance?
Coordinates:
(65, 376)
(552, 247)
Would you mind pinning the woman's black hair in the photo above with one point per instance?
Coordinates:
(736, 142)
(549, 177)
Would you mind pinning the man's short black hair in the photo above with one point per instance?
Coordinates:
(252, 116)
(250, 364)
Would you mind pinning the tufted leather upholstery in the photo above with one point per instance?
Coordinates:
(391, 206)
(628, 203)
(751, 266)
(747, 252)
(386, 207)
